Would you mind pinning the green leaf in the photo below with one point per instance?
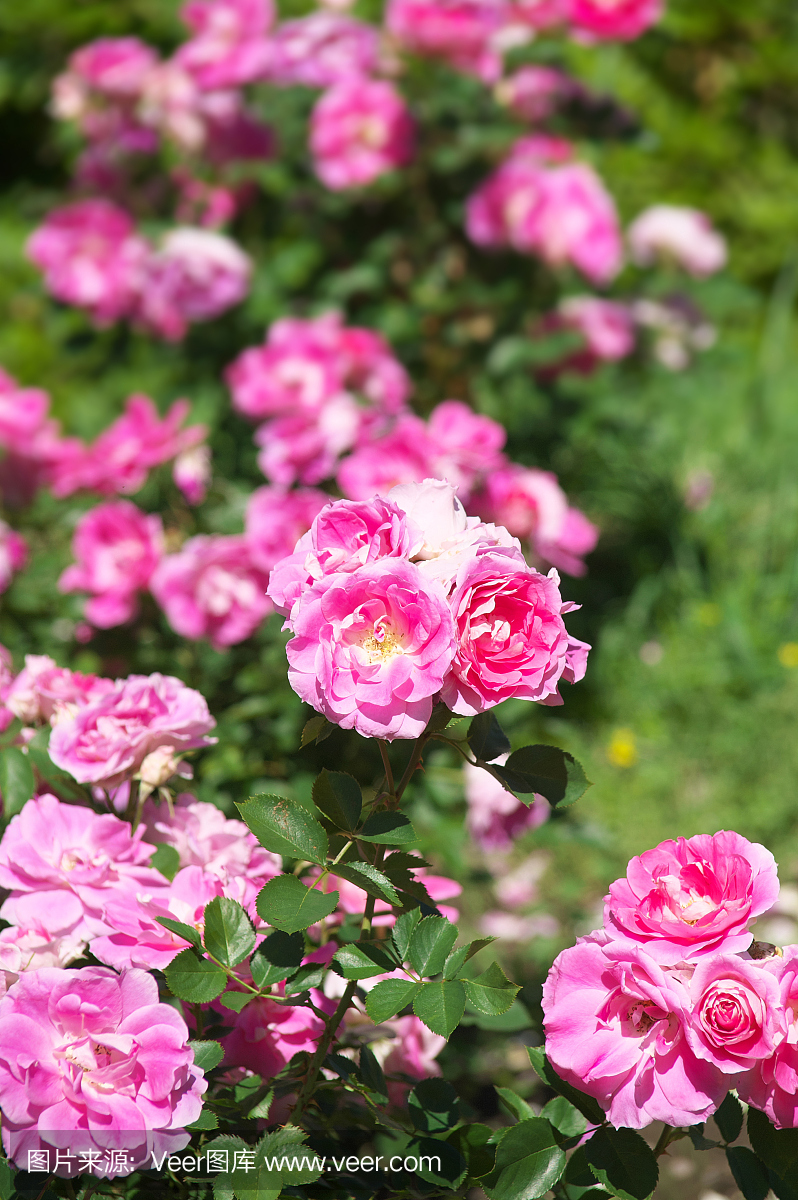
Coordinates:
(7, 1188)
(514, 1105)
(281, 1161)
(431, 943)
(514, 1020)
(566, 1118)
(472, 1143)
(206, 1120)
(229, 934)
(402, 932)
(438, 1162)
(440, 1005)
(547, 771)
(528, 1162)
(361, 960)
(623, 1162)
(195, 979)
(388, 829)
(285, 827)
(374, 882)
(486, 738)
(776, 1147)
(696, 1136)
(371, 1074)
(491, 993)
(315, 730)
(237, 1001)
(17, 783)
(283, 949)
(288, 905)
(729, 1118)
(455, 962)
(441, 716)
(390, 997)
(543, 1068)
(261, 1109)
(166, 860)
(187, 932)
(749, 1173)
(207, 1055)
(308, 976)
(433, 1106)
(339, 798)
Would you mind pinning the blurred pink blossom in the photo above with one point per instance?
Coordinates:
(684, 236)
(195, 275)
(511, 927)
(464, 32)
(30, 950)
(192, 473)
(43, 691)
(306, 449)
(116, 68)
(321, 49)
(606, 326)
(229, 45)
(276, 520)
(495, 816)
(204, 837)
(359, 129)
(612, 20)
(13, 554)
(534, 92)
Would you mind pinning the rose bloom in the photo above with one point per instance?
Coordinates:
(511, 640)
(738, 1018)
(62, 862)
(306, 448)
(107, 741)
(467, 445)
(371, 648)
(607, 329)
(13, 554)
(772, 1083)
(30, 950)
(321, 49)
(405, 455)
(534, 92)
(212, 589)
(229, 47)
(117, 548)
(192, 473)
(692, 897)
(266, 1036)
(616, 1027)
(411, 1050)
(104, 1064)
(194, 276)
(172, 105)
(345, 535)
(353, 900)
(359, 130)
(204, 837)
(91, 257)
(684, 236)
(495, 816)
(275, 520)
(113, 68)
(43, 691)
(463, 32)
(612, 20)
(23, 415)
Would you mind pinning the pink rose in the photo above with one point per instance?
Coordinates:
(772, 1083)
(405, 455)
(692, 897)
(511, 640)
(229, 47)
(495, 816)
(204, 837)
(371, 648)
(212, 589)
(105, 1064)
(91, 257)
(275, 521)
(433, 507)
(467, 445)
(345, 535)
(299, 369)
(43, 691)
(115, 67)
(31, 949)
(535, 92)
(194, 276)
(321, 49)
(266, 1035)
(192, 473)
(616, 20)
(61, 864)
(106, 742)
(737, 1017)
(304, 448)
(13, 554)
(464, 32)
(616, 1027)
(412, 1051)
(117, 548)
(359, 129)
(23, 415)
(566, 552)
(607, 329)
(683, 236)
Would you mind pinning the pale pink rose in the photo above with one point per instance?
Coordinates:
(579, 224)
(615, 20)
(359, 130)
(61, 864)
(616, 1028)
(511, 640)
(192, 473)
(322, 49)
(23, 415)
(607, 328)
(106, 1065)
(106, 742)
(371, 648)
(433, 507)
(212, 589)
(30, 950)
(476, 539)
(6, 681)
(405, 455)
(534, 92)
(204, 837)
(738, 1018)
(117, 548)
(306, 449)
(412, 1051)
(267, 1035)
(275, 520)
(129, 933)
(684, 236)
(467, 445)
(114, 67)
(299, 369)
(519, 887)
(172, 105)
(346, 535)
(464, 32)
(511, 927)
(566, 552)
(91, 257)
(772, 1083)
(13, 554)
(495, 816)
(43, 691)
(692, 897)
(229, 46)
(195, 275)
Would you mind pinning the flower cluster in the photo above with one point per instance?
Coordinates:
(399, 602)
(669, 1005)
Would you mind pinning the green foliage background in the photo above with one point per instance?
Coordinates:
(712, 724)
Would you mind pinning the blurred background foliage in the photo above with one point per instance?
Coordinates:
(687, 719)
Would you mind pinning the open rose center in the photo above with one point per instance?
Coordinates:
(642, 1015)
(382, 643)
(691, 895)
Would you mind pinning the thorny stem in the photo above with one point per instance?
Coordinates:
(387, 765)
(667, 1136)
(321, 1051)
(415, 759)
